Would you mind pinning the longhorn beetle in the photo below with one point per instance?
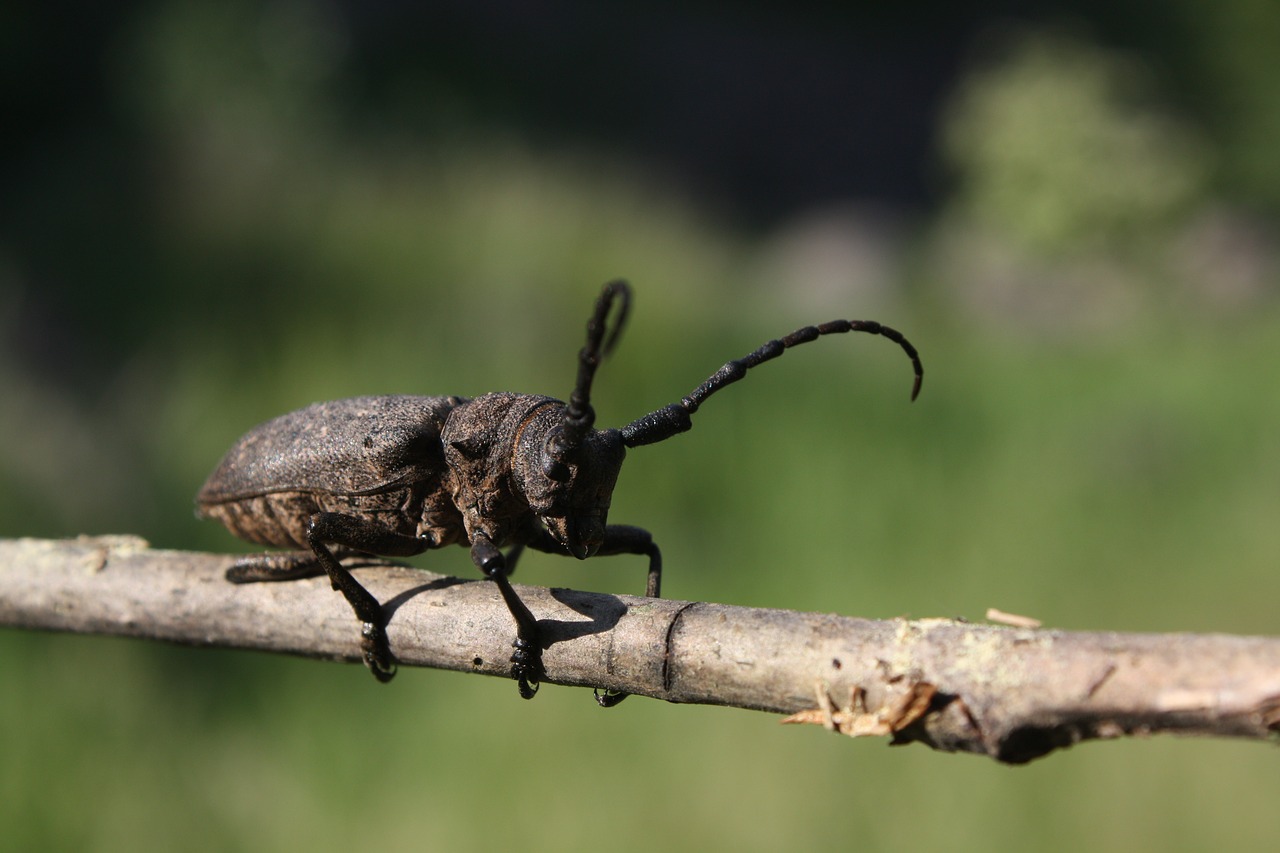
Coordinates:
(395, 476)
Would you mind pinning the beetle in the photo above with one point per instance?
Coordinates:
(394, 476)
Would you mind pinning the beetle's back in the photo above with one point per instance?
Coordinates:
(299, 462)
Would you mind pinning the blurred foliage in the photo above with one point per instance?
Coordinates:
(1082, 201)
(1059, 147)
(1229, 75)
(258, 251)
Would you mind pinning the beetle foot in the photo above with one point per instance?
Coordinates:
(610, 697)
(526, 667)
(377, 652)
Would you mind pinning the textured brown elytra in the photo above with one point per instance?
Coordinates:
(394, 476)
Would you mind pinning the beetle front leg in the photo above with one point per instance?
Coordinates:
(624, 539)
(526, 661)
(618, 539)
(351, 532)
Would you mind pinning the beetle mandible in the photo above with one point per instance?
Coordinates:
(398, 475)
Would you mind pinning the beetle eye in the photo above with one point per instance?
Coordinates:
(555, 470)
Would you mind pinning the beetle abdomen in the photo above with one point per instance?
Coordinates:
(277, 519)
(280, 519)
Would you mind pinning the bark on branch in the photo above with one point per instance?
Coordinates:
(1010, 693)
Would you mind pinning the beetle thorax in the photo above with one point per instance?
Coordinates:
(478, 439)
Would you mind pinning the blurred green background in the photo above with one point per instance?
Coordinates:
(213, 213)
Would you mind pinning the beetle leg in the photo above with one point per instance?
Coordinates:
(618, 539)
(278, 566)
(350, 532)
(526, 661)
(625, 539)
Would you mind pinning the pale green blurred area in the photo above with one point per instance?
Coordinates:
(1095, 445)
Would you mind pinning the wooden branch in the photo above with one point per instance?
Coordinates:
(1010, 693)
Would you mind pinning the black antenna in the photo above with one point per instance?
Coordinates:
(676, 418)
(601, 339)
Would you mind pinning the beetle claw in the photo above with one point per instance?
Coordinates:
(526, 667)
(609, 697)
(377, 652)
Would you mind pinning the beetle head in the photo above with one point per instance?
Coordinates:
(569, 469)
(570, 492)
